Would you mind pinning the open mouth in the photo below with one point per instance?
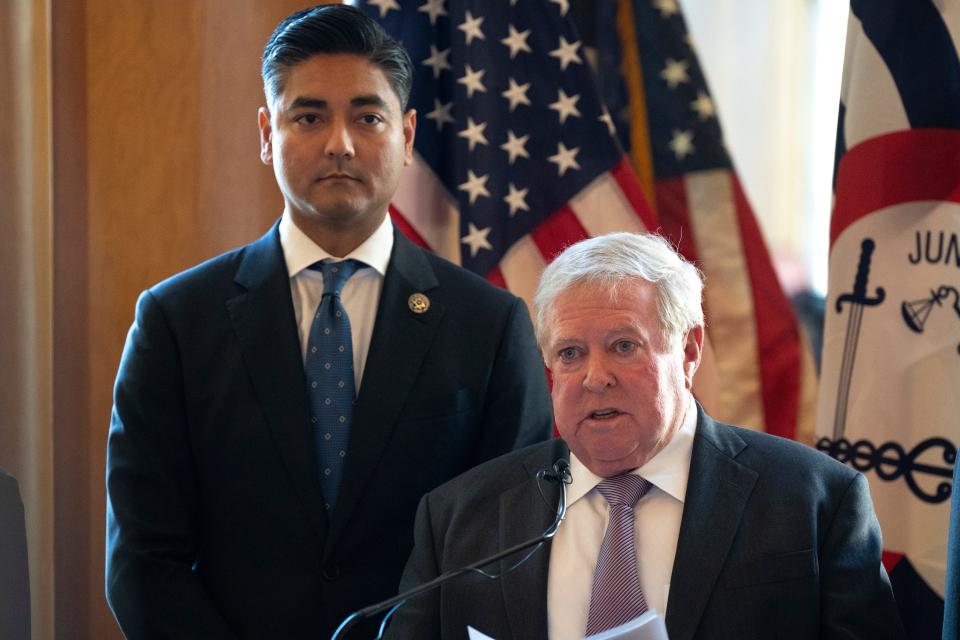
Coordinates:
(603, 414)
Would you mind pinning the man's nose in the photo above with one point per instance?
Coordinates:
(339, 142)
(598, 376)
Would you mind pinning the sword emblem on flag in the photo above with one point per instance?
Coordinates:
(858, 299)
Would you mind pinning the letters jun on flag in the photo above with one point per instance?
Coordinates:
(889, 401)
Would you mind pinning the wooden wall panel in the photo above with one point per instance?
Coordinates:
(11, 241)
(26, 286)
(157, 169)
(72, 543)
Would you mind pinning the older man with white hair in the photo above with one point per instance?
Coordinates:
(728, 532)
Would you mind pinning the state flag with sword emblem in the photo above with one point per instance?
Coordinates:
(889, 401)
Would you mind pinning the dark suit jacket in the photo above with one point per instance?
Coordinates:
(777, 540)
(14, 578)
(216, 527)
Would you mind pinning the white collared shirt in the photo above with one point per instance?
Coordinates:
(574, 550)
(360, 295)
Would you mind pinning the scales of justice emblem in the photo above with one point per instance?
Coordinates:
(916, 312)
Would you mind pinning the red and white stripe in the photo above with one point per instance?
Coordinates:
(428, 214)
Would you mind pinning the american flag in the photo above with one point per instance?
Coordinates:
(762, 372)
(521, 149)
(515, 157)
(888, 399)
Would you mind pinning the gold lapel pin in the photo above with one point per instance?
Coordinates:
(418, 303)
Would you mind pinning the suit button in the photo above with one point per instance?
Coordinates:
(331, 573)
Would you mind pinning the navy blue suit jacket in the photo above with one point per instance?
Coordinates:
(216, 525)
(14, 577)
(777, 540)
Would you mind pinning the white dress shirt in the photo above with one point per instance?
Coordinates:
(574, 550)
(360, 295)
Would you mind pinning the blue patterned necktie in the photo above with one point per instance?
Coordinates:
(329, 374)
(616, 596)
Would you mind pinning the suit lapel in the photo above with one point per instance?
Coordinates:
(400, 341)
(717, 493)
(524, 515)
(264, 322)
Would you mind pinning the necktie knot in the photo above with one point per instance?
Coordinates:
(623, 490)
(336, 274)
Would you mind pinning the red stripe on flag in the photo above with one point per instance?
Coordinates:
(407, 229)
(627, 181)
(778, 337)
(891, 559)
(905, 166)
(495, 277)
(558, 232)
(675, 216)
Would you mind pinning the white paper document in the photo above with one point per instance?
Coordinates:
(649, 626)
(473, 634)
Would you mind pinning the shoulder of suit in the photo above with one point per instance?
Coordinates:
(215, 276)
(8, 484)
(452, 275)
(787, 458)
(499, 474)
(223, 266)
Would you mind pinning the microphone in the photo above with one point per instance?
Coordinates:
(558, 472)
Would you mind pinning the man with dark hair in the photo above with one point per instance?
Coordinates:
(300, 36)
(280, 409)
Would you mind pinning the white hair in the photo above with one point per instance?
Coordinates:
(610, 260)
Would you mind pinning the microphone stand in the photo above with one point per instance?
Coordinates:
(560, 473)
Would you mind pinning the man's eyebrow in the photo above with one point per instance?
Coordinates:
(307, 103)
(621, 329)
(368, 101)
(562, 339)
(302, 102)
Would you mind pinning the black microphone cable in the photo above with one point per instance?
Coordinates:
(558, 472)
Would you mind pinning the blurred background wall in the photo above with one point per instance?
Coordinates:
(130, 152)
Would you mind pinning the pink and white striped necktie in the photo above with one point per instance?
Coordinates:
(616, 596)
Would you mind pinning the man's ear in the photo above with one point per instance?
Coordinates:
(266, 135)
(692, 352)
(409, 132)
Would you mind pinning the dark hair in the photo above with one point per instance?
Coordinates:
(334, 28)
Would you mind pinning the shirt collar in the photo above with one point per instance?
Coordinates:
(300, 251)
(669, 470)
